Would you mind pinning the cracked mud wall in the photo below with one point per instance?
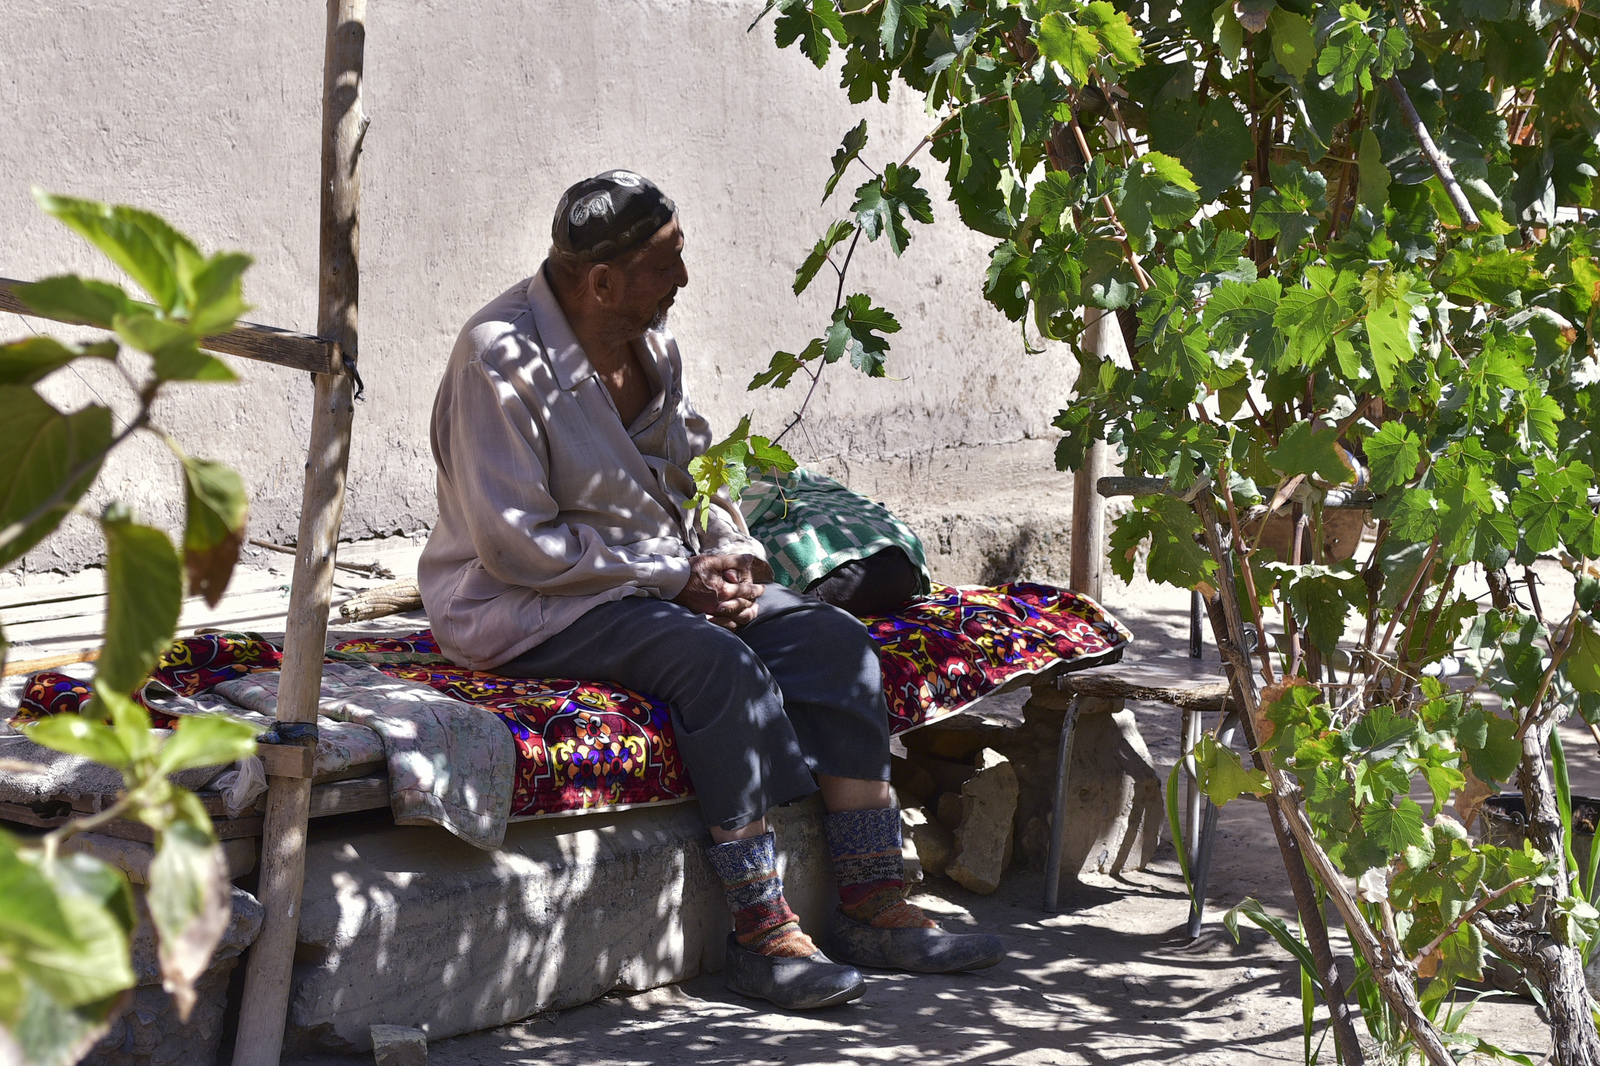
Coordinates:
(482, 112)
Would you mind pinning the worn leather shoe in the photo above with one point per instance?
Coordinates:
(791, 983)
(917, 949)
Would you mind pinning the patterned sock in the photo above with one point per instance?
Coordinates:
(865, 846)
(762, 920)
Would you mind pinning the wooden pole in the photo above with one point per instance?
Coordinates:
(283, 849)
(1102, 336)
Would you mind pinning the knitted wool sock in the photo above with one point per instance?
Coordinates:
(865, 846)
(762, 920)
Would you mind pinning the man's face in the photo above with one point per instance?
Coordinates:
(652, 280)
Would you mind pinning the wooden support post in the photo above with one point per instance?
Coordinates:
(283, 850)
(1103, 336)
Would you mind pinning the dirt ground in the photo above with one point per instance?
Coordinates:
(1111, 980)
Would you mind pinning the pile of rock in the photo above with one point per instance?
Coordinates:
(976, 792)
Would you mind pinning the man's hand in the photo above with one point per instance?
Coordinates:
(724, 589)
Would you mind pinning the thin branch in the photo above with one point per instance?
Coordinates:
(1535, 708)
(838, 302)
(1499, 893)
(1430, 152)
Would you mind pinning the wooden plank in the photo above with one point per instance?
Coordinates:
(267, 344)
(122, 828)
(268, 968)
(287, 760)
(368, 793)
(1172, 681)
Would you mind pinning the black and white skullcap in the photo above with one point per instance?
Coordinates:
(601, 217)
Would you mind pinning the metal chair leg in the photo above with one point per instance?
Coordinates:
(1058, 823)
(1191, 789)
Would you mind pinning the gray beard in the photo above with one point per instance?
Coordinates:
(659, 321)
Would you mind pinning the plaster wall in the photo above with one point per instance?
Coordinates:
(482, 111)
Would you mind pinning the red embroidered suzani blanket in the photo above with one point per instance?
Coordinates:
(585, 745)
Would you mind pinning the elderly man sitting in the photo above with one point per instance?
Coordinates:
(563, 549)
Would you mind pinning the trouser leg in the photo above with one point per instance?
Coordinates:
(747, 743)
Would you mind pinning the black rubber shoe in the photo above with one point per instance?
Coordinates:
(793, 984)
(916, 949)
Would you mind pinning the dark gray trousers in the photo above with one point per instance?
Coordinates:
(757, 711)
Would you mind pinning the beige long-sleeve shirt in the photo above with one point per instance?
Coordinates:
(548, 505)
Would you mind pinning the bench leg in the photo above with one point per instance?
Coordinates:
(1201, 869)
(1058, 822)
(1191, 790)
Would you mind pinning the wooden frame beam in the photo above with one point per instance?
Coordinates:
(267, 344)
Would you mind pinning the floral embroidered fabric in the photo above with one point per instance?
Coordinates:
(586, 745)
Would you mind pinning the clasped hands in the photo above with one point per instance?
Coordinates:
(725, 588)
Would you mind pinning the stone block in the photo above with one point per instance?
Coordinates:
(949, 810)
(399, 1045)
(933, 843)
(148, 1031)
(408, 925)
(1115, 808)
(984, 840)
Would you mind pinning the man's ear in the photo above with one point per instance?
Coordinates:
(602, 282)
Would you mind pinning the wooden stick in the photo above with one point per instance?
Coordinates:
(1430, 152)
(1103, 336)
(66, 658)
(283, 855)
(268, 344)
(369, 569)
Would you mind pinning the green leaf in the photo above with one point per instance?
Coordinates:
(93, 964)
(1158, 193)
(157, 257)
(144, 593)
(189, 905)
(191, 364)
(855, 332)
(216, 507)
(218, 295)
(1392, 336)
(1305, 449)
(1310, 316)
(41, 451)
(1320, 597)
(1072, 47)
(69, 298)
(1293, 43)
(1175, 558)
(883, 204)
(1394, 828)
(849, 149)
(784, 365)
(1115, 34)
(819, 253)
(1372, 191)
(1222, 776)
(1491, 745)
(1583, 659)
(1211, 140)
(206, 740)
(27, 361)
(77, 735)
(1003, 283)
(811, 22)
(1393, 454)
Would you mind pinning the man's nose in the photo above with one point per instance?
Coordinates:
(682, 280)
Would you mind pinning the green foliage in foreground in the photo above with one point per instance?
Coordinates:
(1353, 251)
(66, 918)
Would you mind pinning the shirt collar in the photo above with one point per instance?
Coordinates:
(567, 356)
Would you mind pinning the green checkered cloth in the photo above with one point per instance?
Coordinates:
(811, 525)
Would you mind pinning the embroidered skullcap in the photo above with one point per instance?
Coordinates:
(601, 217)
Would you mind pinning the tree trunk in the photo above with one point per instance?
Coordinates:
(1340, 1015)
